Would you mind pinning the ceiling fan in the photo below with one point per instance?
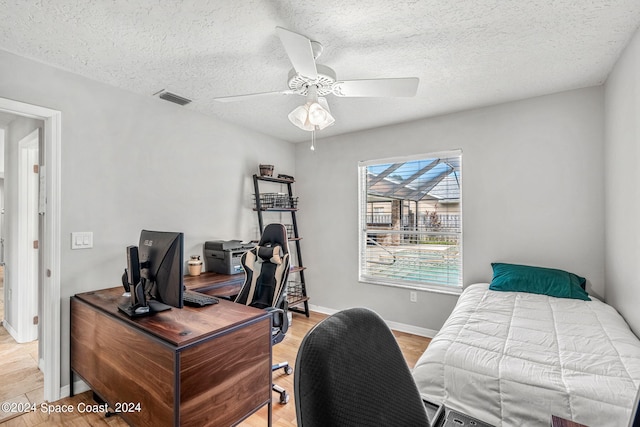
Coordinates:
(307, 78)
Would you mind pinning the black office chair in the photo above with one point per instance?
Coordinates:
(266, 269)
(350, 372)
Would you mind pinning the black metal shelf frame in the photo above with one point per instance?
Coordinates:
(296, 290)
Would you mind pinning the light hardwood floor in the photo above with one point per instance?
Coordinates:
(21, 381)
(283, 415)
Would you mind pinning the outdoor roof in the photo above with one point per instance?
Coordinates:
(434, 179)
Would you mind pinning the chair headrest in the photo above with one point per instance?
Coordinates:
(274, 234)
(272, 254)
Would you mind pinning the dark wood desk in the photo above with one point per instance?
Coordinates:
(189, 367)
(228, 285)
(215, 283)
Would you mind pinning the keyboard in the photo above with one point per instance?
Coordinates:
(196, 299)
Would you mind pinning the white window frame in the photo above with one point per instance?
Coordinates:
(454, 289)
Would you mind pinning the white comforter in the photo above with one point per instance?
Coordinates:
(513, 359)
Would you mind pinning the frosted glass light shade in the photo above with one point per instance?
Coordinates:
(314, 115)
(299, 117)
(328, 118)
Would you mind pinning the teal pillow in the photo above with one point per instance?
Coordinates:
(537, 280)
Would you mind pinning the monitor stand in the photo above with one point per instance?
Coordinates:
(133, 311)
(152, 307)
(140, 306)
(157, 306)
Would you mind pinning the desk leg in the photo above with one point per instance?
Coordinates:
(269, 416)
(70, 353)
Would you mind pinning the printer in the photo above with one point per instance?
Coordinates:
(223, 256)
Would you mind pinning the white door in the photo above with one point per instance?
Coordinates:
(26, 288)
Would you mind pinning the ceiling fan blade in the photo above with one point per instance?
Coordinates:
(252, 96)
(300, 52)
(406, 86)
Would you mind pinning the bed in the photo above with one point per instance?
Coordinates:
(516, 358)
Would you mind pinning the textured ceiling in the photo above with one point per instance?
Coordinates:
(467, 53)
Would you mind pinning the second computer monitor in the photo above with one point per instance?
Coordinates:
(161, 264)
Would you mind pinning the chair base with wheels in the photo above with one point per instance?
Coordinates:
(284, 395)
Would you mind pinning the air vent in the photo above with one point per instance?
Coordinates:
(172, 97)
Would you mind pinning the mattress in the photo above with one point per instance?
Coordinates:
(514, 359)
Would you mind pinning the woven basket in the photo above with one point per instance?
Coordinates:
(266, 170)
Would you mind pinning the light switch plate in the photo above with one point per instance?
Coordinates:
(82, 240)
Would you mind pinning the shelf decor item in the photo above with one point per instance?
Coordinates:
(266, 170)
(195, 265)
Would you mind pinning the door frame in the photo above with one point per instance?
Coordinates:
(50, 322)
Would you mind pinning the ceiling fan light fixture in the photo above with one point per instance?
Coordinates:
(300, 117)
(317, 114)
(313, 115)
(328, 119)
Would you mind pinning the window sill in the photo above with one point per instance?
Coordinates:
(425, 287)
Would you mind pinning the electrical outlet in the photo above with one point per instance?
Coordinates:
(413, 296)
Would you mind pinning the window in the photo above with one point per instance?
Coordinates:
(411, 221)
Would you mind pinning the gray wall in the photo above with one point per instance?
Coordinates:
(132, 162)
(532, 193)
(622, 177)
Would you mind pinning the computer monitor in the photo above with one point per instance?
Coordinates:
(161, 256)
(133, 268)
(134, 287)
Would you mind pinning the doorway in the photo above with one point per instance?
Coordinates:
(21, 380)
(49, 316)
(20, 231)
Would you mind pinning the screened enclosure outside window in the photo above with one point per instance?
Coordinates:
(411, 221)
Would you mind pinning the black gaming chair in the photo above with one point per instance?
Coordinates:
(266, 269)
(350, 372)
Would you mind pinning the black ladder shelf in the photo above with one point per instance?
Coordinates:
(273, 202)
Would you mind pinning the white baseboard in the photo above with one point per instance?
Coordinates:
(396, 326)
(19, 338)
(79, 386)
(11, 331)
(411, 329)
